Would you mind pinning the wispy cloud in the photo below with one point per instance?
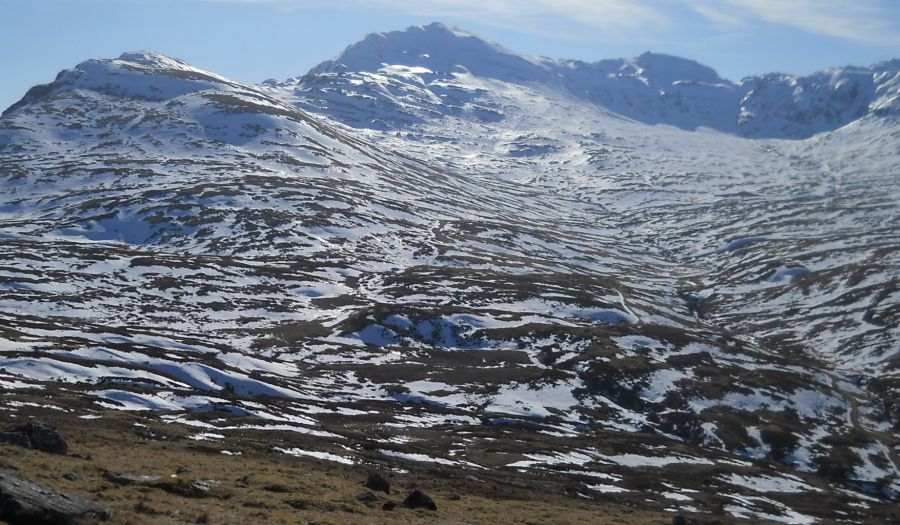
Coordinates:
(865, 21)
(610, 15)
(714, 13)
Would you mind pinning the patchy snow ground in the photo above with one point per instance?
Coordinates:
(442, 246)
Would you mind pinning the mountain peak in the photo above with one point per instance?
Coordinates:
(151, 59)
(440, 27)
(668, 69)
(438, 47)
(441, 49)
(142, 74)
(157, 63)
(151, 62)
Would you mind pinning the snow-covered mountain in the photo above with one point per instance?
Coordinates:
(623, 267)
(417, 68)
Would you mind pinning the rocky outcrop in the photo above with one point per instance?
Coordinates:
(36, 435)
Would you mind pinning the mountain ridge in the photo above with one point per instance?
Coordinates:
(653, 88)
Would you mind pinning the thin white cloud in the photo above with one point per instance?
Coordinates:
(609, 15)
(865, 21)
(714, 13)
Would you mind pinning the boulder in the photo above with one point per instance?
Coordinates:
(367, 497)
(198, 488)
(131, 479)
(244, 481)
(25, 502)
(419, 500)
(376, 481)
(36, 435)
(298, 504)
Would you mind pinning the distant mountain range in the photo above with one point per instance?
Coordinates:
(632, 275)
(652, 88)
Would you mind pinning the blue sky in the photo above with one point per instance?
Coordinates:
(252, 40)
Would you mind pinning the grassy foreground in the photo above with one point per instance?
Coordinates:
(259, 485)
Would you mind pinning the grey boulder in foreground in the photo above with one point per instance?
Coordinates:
(25, 502)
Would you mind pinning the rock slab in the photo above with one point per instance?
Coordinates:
(25, 502)
(131, 479)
